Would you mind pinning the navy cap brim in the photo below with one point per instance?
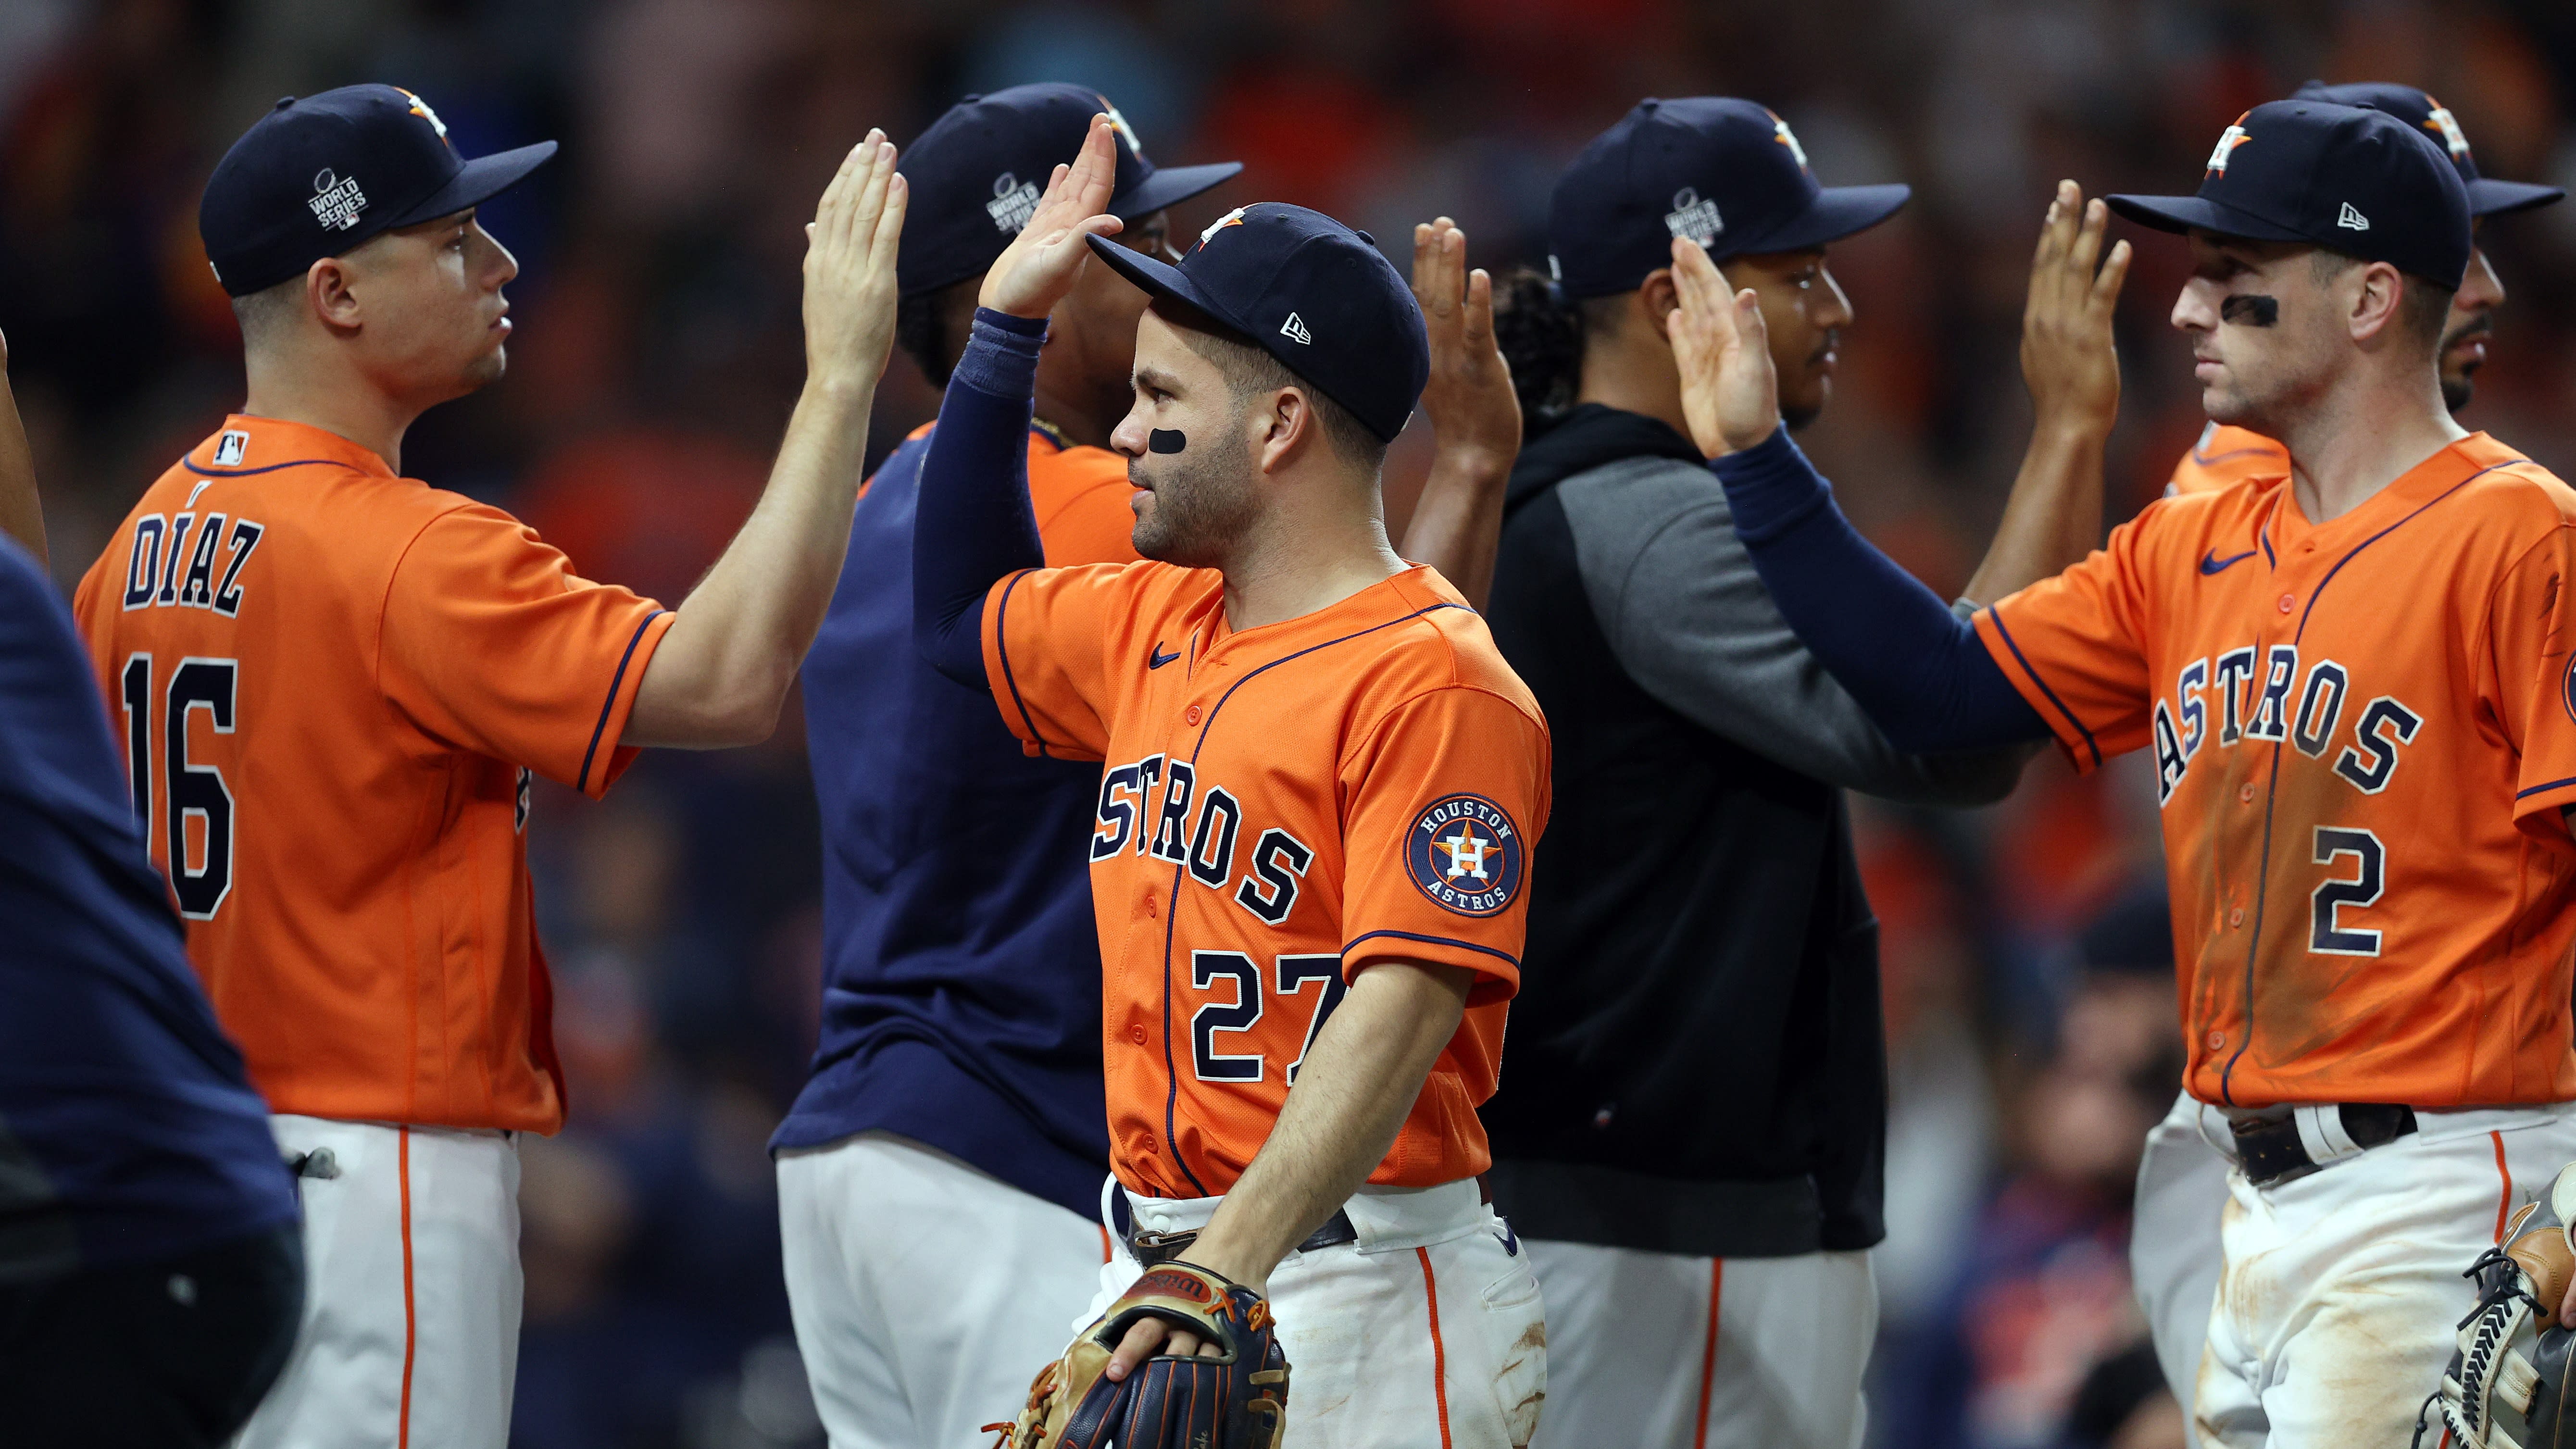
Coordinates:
(1162, 279)
(2182, 213)
(2490, 197)
(477, 182)
(1839, 211)
(1170, 186)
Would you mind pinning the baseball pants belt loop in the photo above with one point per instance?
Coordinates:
(1153, 1248)
(2316, 1136)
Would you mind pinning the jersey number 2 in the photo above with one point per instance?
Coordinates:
(201, 881)
(2327, 934)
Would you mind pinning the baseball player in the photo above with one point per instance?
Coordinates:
(333, 685)
(1310, 847)
(2182, 1178)
(2225, 454)
(1690, 1138)
(2355, 685)
(150, 1266)
(955, 1105)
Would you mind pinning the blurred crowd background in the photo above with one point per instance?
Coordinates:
(657, 350)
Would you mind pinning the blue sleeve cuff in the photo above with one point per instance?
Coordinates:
(1002, 354)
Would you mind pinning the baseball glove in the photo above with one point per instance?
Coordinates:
(1236, 1400)
(2507, 1386)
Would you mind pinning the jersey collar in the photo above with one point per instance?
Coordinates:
(2414, 488)
(1417, 588)
(251, 444)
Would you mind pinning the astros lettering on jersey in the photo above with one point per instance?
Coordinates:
(1280, 809)
(334, 684)
(2363, 734)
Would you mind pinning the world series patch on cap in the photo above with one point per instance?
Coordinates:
(320, 176)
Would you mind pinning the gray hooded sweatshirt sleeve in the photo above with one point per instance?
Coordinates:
(1676, 595)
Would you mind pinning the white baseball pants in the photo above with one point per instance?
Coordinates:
(2342, 1290)
(925, 1293)
(2174, 1250)
(1424, 1334)
(1666, 1351)
(412, 1291)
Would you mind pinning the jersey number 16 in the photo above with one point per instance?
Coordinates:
(201, 879)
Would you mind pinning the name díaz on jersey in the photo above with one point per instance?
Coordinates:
(187, 562)
(2268, 696)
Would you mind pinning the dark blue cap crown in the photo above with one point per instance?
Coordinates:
(1309, 291)
(977, 173)
(2348, 179)
(2487, 196)
(1726, 173)
(316, 177)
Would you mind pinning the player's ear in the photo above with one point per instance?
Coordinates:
(1657, 298)
(1285, 426)
(2378, 294)
(328, 294)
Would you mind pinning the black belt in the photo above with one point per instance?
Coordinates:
(2271, 1152)
(1153, 1248)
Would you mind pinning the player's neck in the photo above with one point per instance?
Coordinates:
(1637, 381)
(2363, 435)
(1294, 562)
(333, 399)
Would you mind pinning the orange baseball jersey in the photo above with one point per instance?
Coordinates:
(334, 683)
(2363, 733)
(1280, 809)
(2226, 456)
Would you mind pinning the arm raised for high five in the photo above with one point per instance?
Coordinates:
(1475, 417)
(722, 672)
(22, 513)
(2054, 516)
(973, 525)
(1916, 668)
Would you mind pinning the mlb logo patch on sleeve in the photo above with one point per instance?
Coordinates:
(1466, 854)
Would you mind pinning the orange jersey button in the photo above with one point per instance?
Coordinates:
(2245, 792)
(2288, 601)
(2218, 1041)
(1191, 715)
(1136, 1034)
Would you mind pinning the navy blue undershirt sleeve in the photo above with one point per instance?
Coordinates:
(973, 525)
(1918, 669)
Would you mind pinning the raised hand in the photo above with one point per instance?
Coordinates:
(849, 269)
(1042, 263)
(1730, 391)
(1474, 415)
(2066, 353)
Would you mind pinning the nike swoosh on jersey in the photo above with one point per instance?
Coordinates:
(1156, 658)
(2211, 563)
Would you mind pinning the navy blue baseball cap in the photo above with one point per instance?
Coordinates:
(1309, 291)
(2487, 196)
(2346, 178)
(1725, 173)
(318, 176)
(979, 170)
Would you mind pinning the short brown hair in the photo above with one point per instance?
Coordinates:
(1249, 369)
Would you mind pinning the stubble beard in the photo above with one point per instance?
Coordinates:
(1200, 508)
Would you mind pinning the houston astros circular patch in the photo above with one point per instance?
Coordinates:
(1466, 854)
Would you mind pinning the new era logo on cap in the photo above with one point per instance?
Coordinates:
(2353, 219)
(1294, 329)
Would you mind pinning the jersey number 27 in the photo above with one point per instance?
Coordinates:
(201, 879)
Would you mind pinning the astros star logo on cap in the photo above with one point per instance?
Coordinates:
(421, 109)
(2454, 140)
(1781, 133)
(2228, 140)
(1231, 218)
